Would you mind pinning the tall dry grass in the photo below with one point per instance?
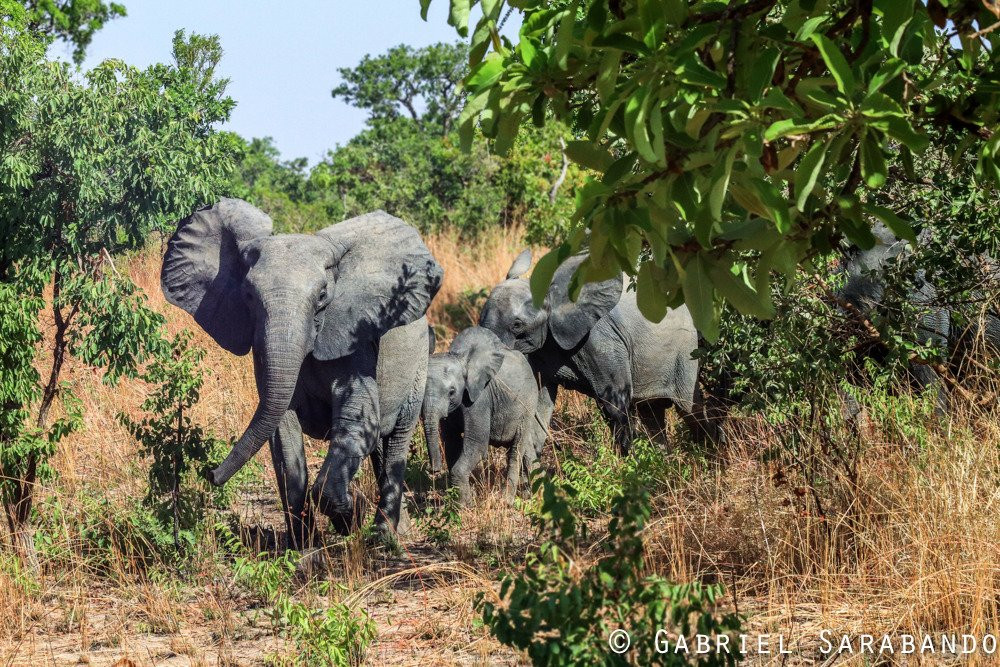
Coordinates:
(893, 530)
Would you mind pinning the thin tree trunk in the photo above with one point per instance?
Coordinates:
(176, 490)
(19, 507)
(562, 174)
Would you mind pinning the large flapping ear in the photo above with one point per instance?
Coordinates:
(521, 264)
(384, 277)
(570, 321)
(482, 355)
(202, 271)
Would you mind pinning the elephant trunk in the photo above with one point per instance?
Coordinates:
(433, 439)
(281, 345)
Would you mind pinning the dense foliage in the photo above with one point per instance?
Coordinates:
(733, 138)
(89, 168)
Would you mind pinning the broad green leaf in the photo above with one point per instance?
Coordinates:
(835, 60)
(622, 42)
(873, 167)
(692, 71)
(676, 11)
(699, 296)
(742, 296)
(808, 172)
(564, 36)
(889, 70)
(901, 228)
(589, 155)
(877, 105)
(608, 74)
(485, 74)
(774, 202)
(720, 185)
(761, 72)
(900, 130)
(459, 16)
(541, 275)
(649, 292)
(895, 14)
(424, 6)
(809, 27)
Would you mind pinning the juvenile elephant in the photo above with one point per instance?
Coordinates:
(603, 347)
(487, 391)
(336, 324)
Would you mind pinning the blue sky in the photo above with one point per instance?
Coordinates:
(282, 58)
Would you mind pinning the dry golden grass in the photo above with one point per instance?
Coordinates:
(904, 539)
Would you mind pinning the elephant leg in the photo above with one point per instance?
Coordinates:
(354, 435)
(474, 446)
(452, 428)
(616, 414)
(653, 418)
(706, 418)
(529, 463)
(390, 517)
(515, 460)
(289, 458)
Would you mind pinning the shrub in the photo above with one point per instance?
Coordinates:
(599, 481)
(563, 614)
(177, 493)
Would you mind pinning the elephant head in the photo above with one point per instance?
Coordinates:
(510, 313)
(457, 376)
(864, 286)
(291, 295)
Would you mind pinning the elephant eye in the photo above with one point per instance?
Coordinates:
(518, 326)
(451, 391)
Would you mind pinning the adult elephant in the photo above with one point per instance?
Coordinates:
(602, 346)
(335, 321)
(864, 293)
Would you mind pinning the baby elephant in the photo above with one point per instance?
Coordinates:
(486, 390)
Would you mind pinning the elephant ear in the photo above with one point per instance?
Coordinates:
(569, 321)
(482, 355)
(202, 271)
(520, 265)
(383, 277)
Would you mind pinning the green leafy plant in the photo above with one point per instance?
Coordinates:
(562, 613)
(732, 138)
(177, 493)
(600, 480)
(439, 522)
(332, 635)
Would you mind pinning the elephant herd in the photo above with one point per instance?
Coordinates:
(342, 352)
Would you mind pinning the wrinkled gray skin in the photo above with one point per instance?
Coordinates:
(603, 347)
(335, 321)
(487, 395)
(864, 289)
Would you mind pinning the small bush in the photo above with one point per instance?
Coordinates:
(599, 481)
(440, 522)
(564, 614)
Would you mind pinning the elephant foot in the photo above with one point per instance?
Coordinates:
(301, 533)
(386, 538)
(345, 518)
(313, 564)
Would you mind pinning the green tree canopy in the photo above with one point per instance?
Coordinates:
(87, 169)
(73, 21)
(422, 83)
(733, 138)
